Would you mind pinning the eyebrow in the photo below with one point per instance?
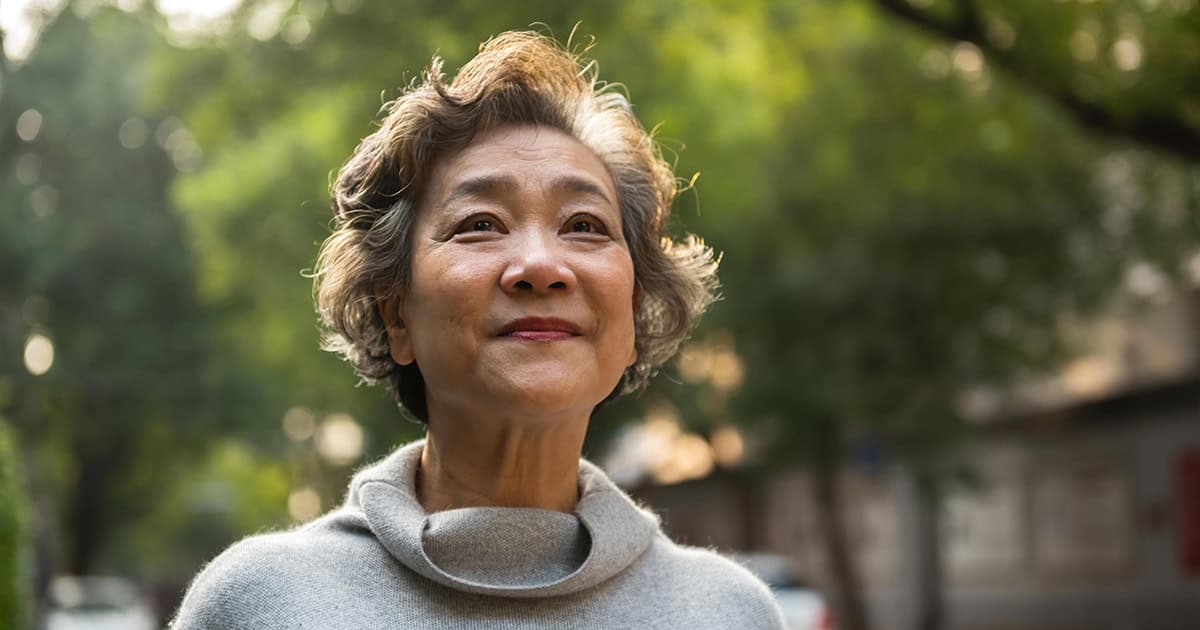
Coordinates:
(490, 186)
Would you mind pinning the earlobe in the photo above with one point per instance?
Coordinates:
(399, 339)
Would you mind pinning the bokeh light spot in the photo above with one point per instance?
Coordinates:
(29, 124)
(728, 446)
(304, 504)
(296, 29)
(299, 424)
(133, 133)
(340, 439)
(28, 168)
(1127, 53)
(39, 354)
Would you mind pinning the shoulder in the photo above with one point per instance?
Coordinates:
(236, 588)
(736, 595)
(244, 585)
(227, 587)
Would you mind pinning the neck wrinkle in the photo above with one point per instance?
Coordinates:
(473, 464)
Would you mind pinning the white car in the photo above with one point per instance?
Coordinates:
(98, 603)
(803, 607)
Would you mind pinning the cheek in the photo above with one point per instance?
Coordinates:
(446, 303)
(451, 286)
(621, 301)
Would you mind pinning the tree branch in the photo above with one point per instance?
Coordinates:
(1158, 130)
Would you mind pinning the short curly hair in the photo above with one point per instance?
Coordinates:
(518, 78)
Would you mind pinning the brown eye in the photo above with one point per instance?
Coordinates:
(586, 224)
(478, 224)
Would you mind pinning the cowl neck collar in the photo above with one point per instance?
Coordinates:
(507, 552)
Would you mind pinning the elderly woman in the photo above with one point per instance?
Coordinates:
(501, 262)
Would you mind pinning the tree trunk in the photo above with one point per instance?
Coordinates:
(847, 588)
(930, 613)
(752, 507)
(89, 512)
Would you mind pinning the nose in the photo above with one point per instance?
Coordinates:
(537, 266)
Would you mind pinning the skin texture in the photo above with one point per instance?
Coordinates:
(522, 223)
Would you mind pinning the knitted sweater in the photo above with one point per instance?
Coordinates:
(380, 561)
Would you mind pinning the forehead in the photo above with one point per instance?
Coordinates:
(524, 156)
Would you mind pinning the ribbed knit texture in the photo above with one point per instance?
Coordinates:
(380, 561)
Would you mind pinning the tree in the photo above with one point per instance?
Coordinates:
(1144, 92)
(98, 272)
(15, 579)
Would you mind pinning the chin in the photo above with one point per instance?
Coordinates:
(553, 397)
(549, 402)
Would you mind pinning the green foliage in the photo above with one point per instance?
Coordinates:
(233, 490)
(15, 539)
(95, 261)
(1126, 68)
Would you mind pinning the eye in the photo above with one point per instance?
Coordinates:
(586, 224)
(478, 224)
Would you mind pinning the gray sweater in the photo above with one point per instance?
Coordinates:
(380, 561)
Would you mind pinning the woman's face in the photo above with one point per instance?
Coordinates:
(522, 288)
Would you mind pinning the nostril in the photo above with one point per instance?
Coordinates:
(524, 284)
(558, 285)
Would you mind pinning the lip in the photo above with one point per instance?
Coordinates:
(540, 329)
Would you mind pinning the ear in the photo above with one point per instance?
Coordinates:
(399, 339)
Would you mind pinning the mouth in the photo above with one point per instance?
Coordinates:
(540, 329)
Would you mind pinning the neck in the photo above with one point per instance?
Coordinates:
(470, 462)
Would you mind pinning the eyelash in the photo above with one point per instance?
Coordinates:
(470, 225)
(598, 226)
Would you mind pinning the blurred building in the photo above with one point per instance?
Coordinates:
(1083, 513)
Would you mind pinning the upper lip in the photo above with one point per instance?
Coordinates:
(540, 324)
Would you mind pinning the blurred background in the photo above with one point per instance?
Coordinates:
(954, 381)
